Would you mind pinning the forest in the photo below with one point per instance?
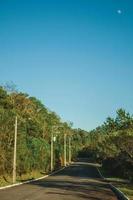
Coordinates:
(35, 124)
(110, 144)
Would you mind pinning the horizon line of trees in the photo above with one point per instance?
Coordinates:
(111, 144)
(35, 124)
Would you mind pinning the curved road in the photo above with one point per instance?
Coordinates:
(80, 181)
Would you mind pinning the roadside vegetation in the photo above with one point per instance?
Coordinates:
(35, 125)
(124, 185)
(110, 144)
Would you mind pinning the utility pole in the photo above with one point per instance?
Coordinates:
(69, 149)
(15, 148)
(64, 149)
(52, 150)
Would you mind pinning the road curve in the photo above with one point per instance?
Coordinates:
(80, 181)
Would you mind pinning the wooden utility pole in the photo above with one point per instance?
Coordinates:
(64, 149)
(69, 149)
(52, 151)
(15, 149)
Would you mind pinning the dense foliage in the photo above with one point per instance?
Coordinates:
(112, 145)
(35, 125)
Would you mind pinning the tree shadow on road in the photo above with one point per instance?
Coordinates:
(78, 188)
(80, 171)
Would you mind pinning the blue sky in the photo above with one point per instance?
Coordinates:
(76, 56)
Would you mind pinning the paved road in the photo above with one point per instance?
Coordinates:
(79, 181)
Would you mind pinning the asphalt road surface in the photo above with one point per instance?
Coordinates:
(80, 181)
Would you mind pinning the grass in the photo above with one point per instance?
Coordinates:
(122, 184)
(7, 180)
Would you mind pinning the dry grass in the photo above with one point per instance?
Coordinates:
(7, 180)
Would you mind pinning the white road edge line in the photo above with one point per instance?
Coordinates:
(21, 183)
(115, 188)
(113, 185)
